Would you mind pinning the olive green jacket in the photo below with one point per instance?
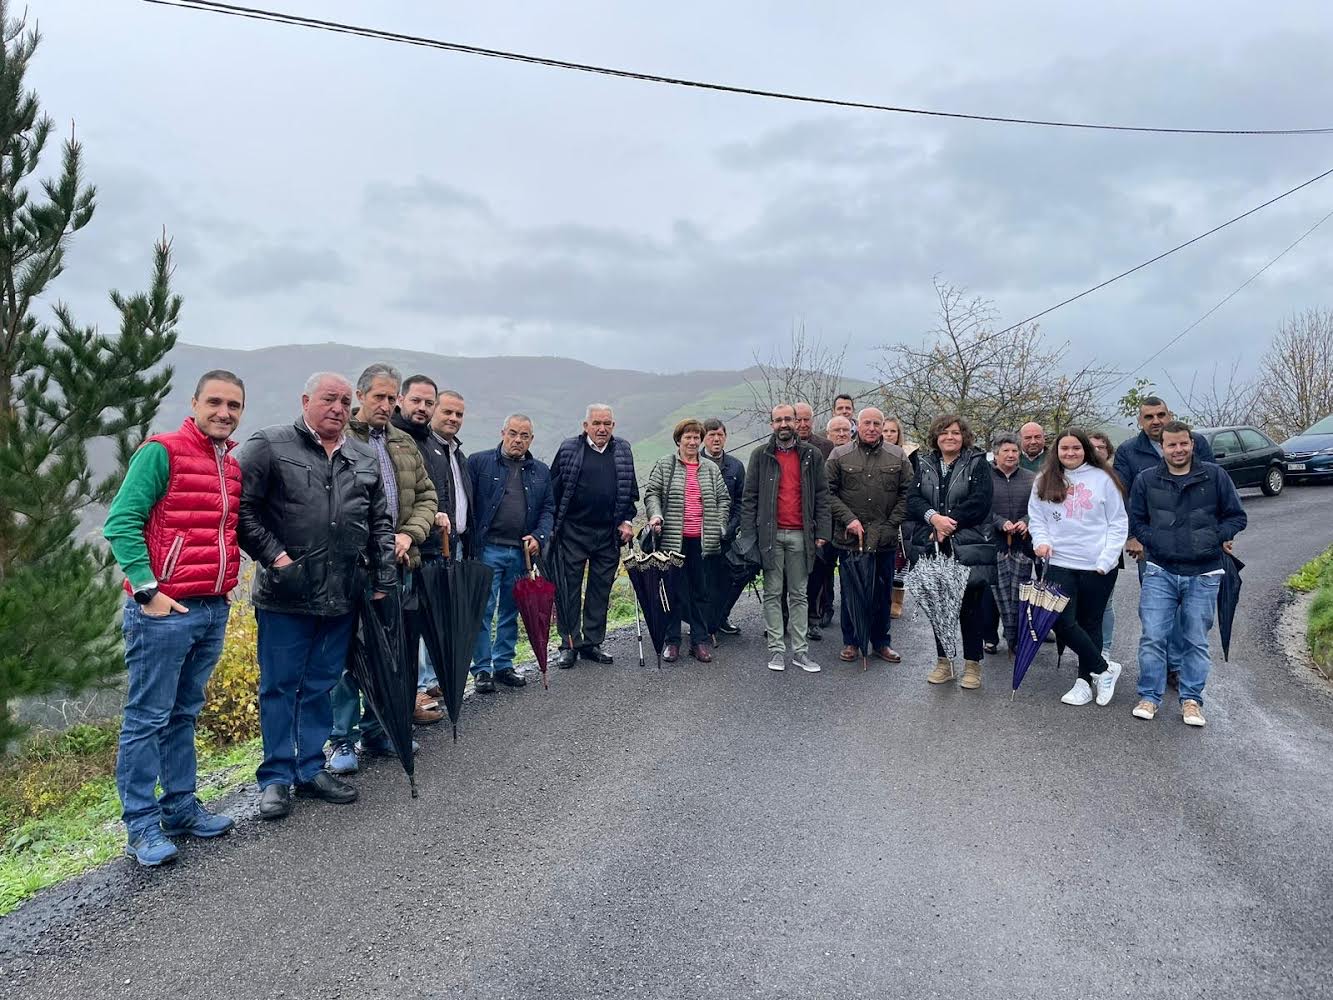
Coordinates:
(417, 501)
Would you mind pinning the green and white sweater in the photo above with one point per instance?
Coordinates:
(664, 497)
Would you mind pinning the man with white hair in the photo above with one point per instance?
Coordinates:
(839, 430)
(595, 493)
(313, 510)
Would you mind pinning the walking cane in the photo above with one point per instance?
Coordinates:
(638, 620)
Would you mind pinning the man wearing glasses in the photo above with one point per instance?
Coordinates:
(514, 513)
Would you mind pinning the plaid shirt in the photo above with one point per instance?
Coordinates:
(379, 441)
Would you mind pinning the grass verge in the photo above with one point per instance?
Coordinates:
(60, 829)
(59, 812)
(1316, 577)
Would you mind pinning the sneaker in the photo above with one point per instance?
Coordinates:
(380, 747)
(1106, 682)
(151, 848)
(196, 821)
(805, 663)
(343, 759)
(1192, 712)
(777, 662)
(1145, 710)
(1079, 694)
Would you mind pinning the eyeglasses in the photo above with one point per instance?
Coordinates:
(520, 435)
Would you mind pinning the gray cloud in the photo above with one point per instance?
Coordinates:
(281, 269)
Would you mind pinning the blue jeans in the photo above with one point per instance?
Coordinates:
(169, 661)
(350, 718)
(301, 658)
(1108, 627)
(492, 656)
(426, 678)
(1176, 645)
(1175, 605)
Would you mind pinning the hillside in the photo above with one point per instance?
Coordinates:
(553, 391)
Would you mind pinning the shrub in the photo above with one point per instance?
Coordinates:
(231, 701)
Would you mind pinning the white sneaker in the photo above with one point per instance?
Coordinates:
(1079, 694)
(805, 663)
(1106, 682)
(777, 662)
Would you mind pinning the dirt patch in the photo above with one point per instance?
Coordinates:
(1290, 634)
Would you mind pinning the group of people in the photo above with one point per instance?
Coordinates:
(370, 482)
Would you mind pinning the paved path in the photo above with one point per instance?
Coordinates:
(724, 831)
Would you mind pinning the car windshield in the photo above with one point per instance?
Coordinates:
(1324, 426)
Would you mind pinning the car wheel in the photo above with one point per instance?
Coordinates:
(1274, 480)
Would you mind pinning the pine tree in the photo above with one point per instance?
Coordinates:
(63, 388)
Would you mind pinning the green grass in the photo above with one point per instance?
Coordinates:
(69, 831)
(1308, 577)
(1316, 577)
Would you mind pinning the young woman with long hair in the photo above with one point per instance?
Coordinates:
(1078, 522)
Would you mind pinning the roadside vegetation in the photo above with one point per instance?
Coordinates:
(59, 812)
(1316, 577)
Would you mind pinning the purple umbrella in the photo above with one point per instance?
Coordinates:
(1039, 605)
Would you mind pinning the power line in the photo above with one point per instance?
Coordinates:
(279, 17)
(1236, 291)
(1138, 267)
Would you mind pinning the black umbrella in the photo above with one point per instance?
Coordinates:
(453, 596)
(860, 584)
(567, 598)
(655, 578)
(389, 687)
(1228, 594)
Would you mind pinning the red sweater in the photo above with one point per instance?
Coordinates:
(790, 514)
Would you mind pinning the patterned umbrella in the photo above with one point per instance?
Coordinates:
(1039, 605)
(655, 578)
(535, 597)
(938, 582)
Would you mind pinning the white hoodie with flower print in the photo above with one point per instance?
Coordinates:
(1088, 529)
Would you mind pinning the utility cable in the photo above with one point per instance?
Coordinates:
(295, 20)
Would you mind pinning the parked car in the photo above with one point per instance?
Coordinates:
(1310, 455)
(1250, 457)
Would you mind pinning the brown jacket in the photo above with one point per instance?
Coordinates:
(869, 485)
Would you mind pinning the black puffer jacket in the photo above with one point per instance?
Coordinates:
(1182, 521)
(964, 495)
(436, 458)
(733, 474)
(328, 514)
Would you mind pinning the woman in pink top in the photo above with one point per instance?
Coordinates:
(688, 504)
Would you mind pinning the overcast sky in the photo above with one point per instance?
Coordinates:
(321, 187)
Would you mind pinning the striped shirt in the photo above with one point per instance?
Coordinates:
(694, 503)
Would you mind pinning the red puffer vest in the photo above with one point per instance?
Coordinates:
(191, 533)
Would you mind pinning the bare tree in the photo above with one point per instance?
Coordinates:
(997, 379)
(1219, 402)
(810, 371)
(1296, 384)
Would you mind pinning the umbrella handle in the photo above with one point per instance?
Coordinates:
(444, 541)
(527, 561)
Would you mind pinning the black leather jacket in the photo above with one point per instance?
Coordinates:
(328, 514)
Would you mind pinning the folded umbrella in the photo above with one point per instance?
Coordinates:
(1228, 595)
(1039, 605)
(453, 596)
(655, 578)
(567, 599)
(385, 681)
(860, 590)
(938, 582)
(535, 597)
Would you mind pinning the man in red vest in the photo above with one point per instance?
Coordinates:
(172, 529)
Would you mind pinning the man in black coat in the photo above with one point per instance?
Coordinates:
(725, 590)
(434, 418)
(595, 493)
(313, 513)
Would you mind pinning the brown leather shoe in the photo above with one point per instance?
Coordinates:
(670, 652)
(888, 654)
(849, 654)
(434, 691)
(427, 711)
(701, 653)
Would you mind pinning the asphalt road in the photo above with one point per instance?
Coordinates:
(724, 831)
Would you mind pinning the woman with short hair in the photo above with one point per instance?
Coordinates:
(1011, 486)
(1077, 517)
(687, 505)
(949, 506)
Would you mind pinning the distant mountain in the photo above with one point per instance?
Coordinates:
(552, 391)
